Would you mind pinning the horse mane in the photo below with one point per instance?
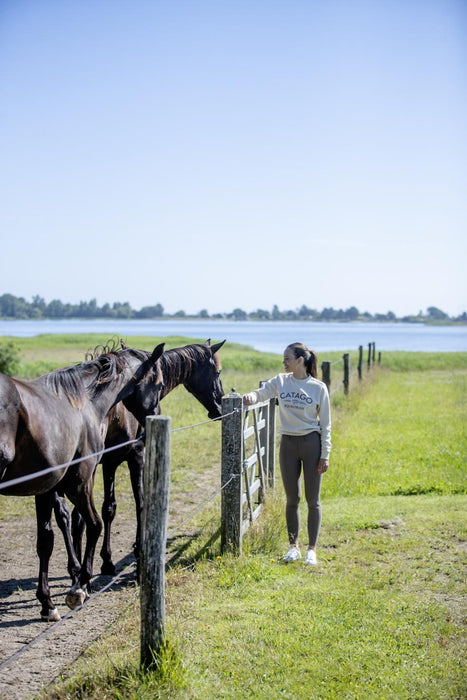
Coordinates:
(177, 364)
(111, 346)
(87, 380)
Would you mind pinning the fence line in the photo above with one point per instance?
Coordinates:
(235, 465)
(65, 465)
(258, 472)
(108, 585)
(49, 470)
(195, 425)
(254, 469)
(347, 373)
(199, 508)
(326, 378)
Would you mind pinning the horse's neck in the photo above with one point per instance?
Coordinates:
(113, 389)
(177, 372)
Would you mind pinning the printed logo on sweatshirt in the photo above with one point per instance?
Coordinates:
(295, 397)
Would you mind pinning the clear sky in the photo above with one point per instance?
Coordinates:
(214, 154)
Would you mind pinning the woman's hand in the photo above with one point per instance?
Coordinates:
(249, 399)
(323, 466)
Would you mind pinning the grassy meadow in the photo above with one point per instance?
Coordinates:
(382, 615)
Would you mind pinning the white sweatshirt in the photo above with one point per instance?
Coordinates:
(304, 406)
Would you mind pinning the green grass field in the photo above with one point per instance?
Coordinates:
(382, 616)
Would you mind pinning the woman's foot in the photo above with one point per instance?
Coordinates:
(293, 554)
(310, 557)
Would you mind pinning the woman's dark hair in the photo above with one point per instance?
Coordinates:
(310, 357)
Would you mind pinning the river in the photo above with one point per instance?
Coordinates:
(266, 336)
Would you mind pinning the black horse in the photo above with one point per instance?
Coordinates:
(198, 368)
(57, 419)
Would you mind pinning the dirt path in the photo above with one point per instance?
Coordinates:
(35, 668)
(20, 610)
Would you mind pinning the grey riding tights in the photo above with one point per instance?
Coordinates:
(296, 452)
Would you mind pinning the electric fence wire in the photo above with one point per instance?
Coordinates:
(65, 465)
(128, 568)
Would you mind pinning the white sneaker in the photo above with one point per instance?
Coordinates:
(310, 557)
(293, 554)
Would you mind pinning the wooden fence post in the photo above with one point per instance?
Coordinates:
(369, 355)
(373, 352)
(326, 374)
(153, 539)
(360, 361)
(272, 444)
(346, 359)
(231, 472)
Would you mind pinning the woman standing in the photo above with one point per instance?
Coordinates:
(305, 418)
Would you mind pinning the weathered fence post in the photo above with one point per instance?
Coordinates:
(272, 444)
(369, 356)
(326, 374)
(231, 471)
(360, 361)
(346, 359)
(373, 352)
(153, 539)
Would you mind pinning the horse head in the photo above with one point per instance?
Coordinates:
(205, 382)
(141, 396)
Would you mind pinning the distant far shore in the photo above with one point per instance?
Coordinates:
(218, 318)
(18, 308)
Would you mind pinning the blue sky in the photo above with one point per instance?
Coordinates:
(218, 154)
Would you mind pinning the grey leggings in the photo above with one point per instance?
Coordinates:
(295, 452)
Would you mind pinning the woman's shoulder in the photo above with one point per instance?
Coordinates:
(281, 376)
(279, 380)
(316, 381)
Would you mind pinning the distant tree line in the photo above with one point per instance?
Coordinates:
(12, 307)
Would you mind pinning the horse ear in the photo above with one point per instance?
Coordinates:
(215, 348)
(123, 345)
(208, 343)
(157, 352)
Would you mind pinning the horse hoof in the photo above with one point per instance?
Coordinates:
(75, 598)
(51, 616)
(108, 569)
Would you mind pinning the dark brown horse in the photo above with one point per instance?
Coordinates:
(56, 419)
(198, 368)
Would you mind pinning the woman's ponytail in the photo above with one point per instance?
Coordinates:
(309, 356)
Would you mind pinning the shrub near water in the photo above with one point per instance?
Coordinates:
(9, 358)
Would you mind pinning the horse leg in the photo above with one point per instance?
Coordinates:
(77, 529)
(84, 502)
(109, 509)
(62, 516)
(135, 462)
(44, 546)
